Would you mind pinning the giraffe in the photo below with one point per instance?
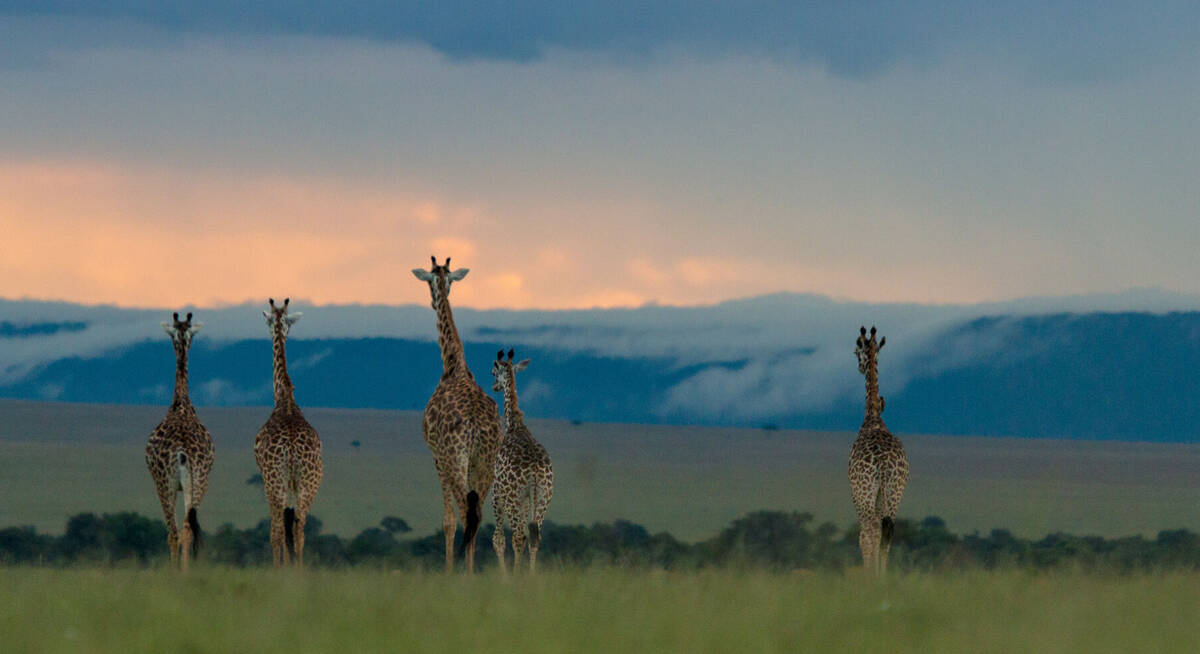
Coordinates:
(179, 453)
(878, 466)
(524, 477)
(287, 450)
(461, 425)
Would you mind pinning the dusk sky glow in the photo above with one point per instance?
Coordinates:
(937, 154)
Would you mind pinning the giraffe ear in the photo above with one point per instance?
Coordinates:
(518, 367)
(167, 328)
(196, 327)
(270, 320)
(422, 274)
(294, 318)
(458, 274)
(882, 342)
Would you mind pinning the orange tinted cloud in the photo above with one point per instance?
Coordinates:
(94, 232)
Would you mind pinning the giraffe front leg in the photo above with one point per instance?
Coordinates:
(185, 543)
(470, 557)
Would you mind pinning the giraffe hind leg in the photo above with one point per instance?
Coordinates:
(889, 499)
(304, 500)
(542, 490)
(474, 515)
(499, 542)
(454, 499)
(166, 485)
(868, 543)
(167, 497)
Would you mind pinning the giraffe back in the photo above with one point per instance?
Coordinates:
(180, 431)
(524, 477)
(460, 417)
(288, 439)
(878, 470)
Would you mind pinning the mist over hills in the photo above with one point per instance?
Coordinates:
(1107, 367)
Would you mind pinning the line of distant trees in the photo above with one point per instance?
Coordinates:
(763, 539)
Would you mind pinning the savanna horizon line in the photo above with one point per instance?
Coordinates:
(1131, 293)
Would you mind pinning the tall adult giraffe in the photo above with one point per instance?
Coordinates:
(179, 453)
(287, 450)
(878, 465)
(461, 425)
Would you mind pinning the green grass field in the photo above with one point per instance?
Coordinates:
(600, 610)
(60, 459)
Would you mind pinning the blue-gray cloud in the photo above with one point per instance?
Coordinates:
(1069, 39)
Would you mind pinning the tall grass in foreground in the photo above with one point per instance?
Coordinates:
(600, 610)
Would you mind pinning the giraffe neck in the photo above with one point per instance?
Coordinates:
(453, 361)
(874, 404)
(284, 391)
(181, 401)
(513, 417)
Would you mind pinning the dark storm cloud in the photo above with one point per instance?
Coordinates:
(1061, 38)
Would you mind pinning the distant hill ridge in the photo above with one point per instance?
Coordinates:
(784, 361)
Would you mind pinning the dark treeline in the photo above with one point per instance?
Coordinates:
(764, 539)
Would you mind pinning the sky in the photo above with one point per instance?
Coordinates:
(597, 154)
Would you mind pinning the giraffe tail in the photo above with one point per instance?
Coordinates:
(185, 477)
(472, 526)
(194, 523)
(887, 528)
(289, 522)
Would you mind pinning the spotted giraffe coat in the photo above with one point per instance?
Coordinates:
(287, 450)
(524, 475)
(461, 425)
(878, 468)
(179, 452)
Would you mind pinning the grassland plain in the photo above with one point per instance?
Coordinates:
(593, 610)
(57, 460)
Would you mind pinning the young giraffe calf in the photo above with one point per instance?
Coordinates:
(179, 453)
(878, 465)
(524, 478)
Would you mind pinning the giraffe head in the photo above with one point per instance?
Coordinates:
(504, 371)
(278, 318)
(440, 278)
(181, 331)
(867, 348)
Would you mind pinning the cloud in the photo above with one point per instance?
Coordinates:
(222, 392)
(347, 158)
(854, 39)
